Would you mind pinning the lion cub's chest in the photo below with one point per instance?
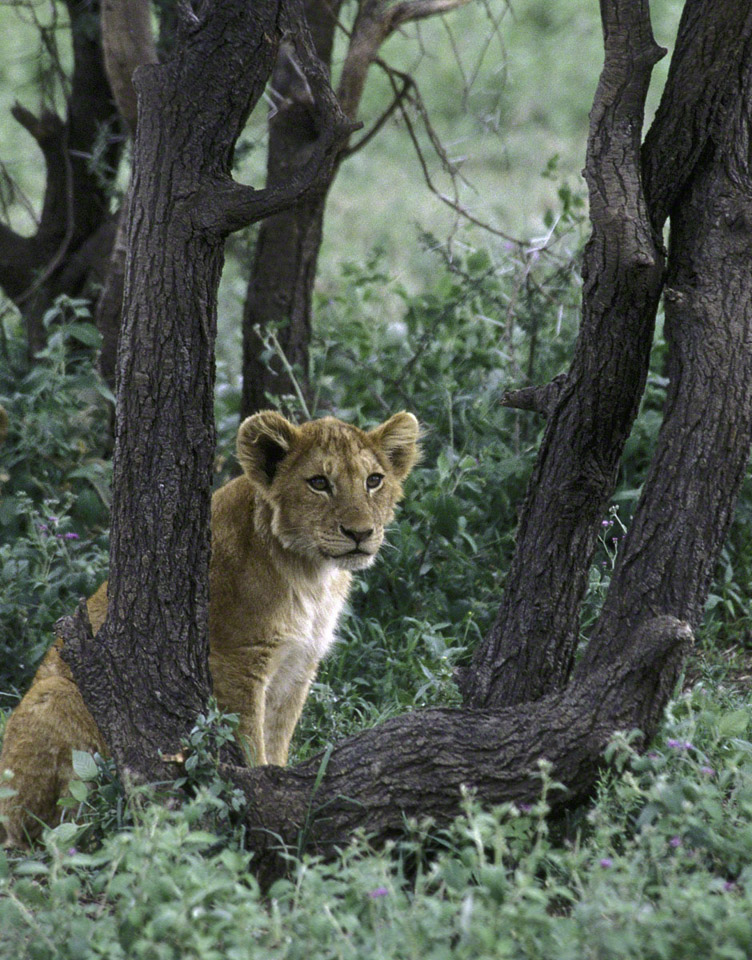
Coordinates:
(306, 621)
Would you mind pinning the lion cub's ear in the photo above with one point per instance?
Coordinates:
(398, 438)
(263, 441)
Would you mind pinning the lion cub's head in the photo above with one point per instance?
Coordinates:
(331, 486)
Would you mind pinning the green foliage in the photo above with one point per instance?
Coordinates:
(658, 870)
(203, 746)
(54, 485)
(448, 358)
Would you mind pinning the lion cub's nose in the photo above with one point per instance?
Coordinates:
(357, 535)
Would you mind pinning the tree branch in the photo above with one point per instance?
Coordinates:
(540, 399)
(692, 103)
(127, 43)
(227, 206)
(401, 13)
(530, 650)
(379, 123)
(420, 763)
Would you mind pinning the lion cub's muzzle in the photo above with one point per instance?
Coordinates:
(354, 548)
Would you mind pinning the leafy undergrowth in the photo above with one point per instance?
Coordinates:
(658, 867)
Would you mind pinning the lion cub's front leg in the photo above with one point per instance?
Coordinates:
(240, 681)
(285, 697)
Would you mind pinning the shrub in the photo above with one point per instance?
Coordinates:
(54, 485)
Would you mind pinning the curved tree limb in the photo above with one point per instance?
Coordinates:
(530, 649)
(419, 764)
(376, 19)
(667, 559)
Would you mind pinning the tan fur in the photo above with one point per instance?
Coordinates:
(283, 553)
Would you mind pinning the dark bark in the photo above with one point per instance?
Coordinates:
(146, 676)
(530, 650)
(280, 289)
(128, 43)
(419, 764)
(667, 560)
(69, 249)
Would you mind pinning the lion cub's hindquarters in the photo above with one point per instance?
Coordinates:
(310, 508)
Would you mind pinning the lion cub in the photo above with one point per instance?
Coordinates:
(310, 508)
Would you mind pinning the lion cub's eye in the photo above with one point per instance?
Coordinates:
(374, 480)
(319, 483)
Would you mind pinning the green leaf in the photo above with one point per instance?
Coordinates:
(734, 724)
(30, 867)
(85, 333)
(84, 765)
(78, 790)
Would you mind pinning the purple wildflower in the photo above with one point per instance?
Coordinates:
(606, 862)
(525, 807)
(675, 842)
(679, 744)
(729, 885)
(708, 771)
(71, 536)
(378, 892)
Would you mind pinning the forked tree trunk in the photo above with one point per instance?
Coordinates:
(146, 676)
(530, 649)
(519, 707)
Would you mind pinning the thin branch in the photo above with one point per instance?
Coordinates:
(49, 131)
(409, 10)
(452, 203)
(380, 122)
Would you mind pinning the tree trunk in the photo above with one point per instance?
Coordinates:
(128, 43)
(280, 289)
(419, 765)
(146, 676)
(575, 472)
(667, 560)
(69, 251)
(530, 649)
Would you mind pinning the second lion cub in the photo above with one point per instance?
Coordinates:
(310, 508)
